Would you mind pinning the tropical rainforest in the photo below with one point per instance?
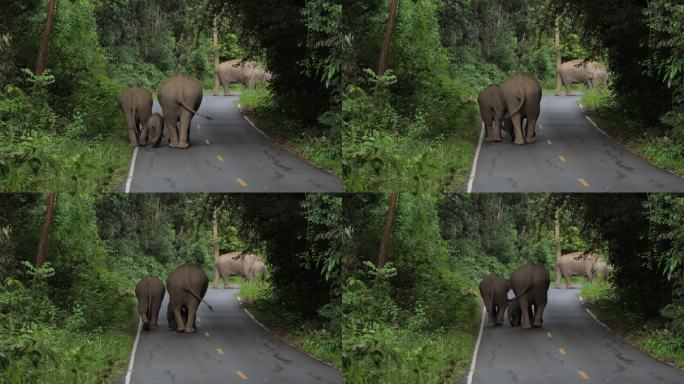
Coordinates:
(415, 127)
(68, 312)
(412, 314)
(62, 129)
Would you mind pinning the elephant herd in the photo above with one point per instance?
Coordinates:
(530, 284)
(514, 106)
(180, 97)
(186, 286)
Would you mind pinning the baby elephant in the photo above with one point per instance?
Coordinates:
(494, 291)
(156, 126)
(150, 293)
(136, 105)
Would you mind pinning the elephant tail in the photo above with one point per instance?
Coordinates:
(149, 304)
(199, 298)
(517, 109)
(193, 111)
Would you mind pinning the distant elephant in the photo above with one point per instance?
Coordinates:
(180, 97)
(156, 128)
(150, 293)
(136, 105)
(600, 268)
(227, 265)
(248, 73)
(522, 95)
(253, 267)
(530, 284)
(492, 110)
(187, 285)
(574, 264)
(494, 291)
(580, 71)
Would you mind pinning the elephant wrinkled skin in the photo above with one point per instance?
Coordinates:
(156, 128)
(580, 71)
(492, 110)
(150, 293)
(248, 73)
(186, 285)
(600, 269)
(494, 291)
(574, 264)
(136, 105)
(522, 95)
(530, 283)
(237, 264)
(180, 97)
(253, 267)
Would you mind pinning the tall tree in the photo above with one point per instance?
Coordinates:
(387, 43)
(387, 233)
(45, 41)
(45, 232)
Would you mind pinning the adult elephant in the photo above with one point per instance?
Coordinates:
(574, 264)
(252, 267)
(494, 291)
(150, 293)
(492, 111)
(580, 71)
(187, 285)
(522, 95)
(180, 97)
(600, 268)
(248, 73)
(227, 265)
(136, 105)
(530, 284)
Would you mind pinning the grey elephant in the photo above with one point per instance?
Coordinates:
(574, 264)
(150, 293)
(187, 285)
(492, 111)
(580, 71)
(136, 105)
(522, 95)
(252, 267)
(248, 73)
(180, 97)
(227, 265)
(156, 127)
(600, 268)
(494, 291)
(530, 284)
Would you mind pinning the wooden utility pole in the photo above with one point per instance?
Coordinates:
(217, 84)
(558, 240)
(387, 43)
(387, 233)
(216, 239)
(558, 55)
(45, 232)
(45, 41)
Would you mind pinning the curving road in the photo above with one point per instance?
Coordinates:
(572, 347)
(570, 155)
(227, 154)
(229, 347)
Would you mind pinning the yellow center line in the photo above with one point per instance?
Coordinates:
(562, 351)
(583, 375)
(207, 141)
(241, 374)
(548, 334)
(583, 182)
(198, 126)
(549, 141)
(241, 182)
(220, 158)
(206, 334)
(220, 351)
(562, 158)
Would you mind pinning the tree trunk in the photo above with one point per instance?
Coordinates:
(45, 232)
(216, 240)
(387, 234)
(45, 41)
(558, 54)
(558, 240)
(389, 30)
(217, 84)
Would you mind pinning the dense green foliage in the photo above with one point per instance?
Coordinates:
(70, 320)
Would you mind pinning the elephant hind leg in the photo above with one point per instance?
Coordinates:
(184, 131)
(170, 122)
(525, 309)
(531, 129)
(518, 131)
(190, 319)
(489, 306)
(132, 128)
(538, 315)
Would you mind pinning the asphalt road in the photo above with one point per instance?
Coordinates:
(228, 347)
(227, 154)
(571, 348)
(570, 155)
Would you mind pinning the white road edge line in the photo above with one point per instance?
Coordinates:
(477, 156)
(250, 314)
(129, 180)
(596, 125)
(477, 346)
(595, 318)
(255, 127)
(135, 347)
